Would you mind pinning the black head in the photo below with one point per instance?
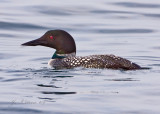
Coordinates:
(60, 40)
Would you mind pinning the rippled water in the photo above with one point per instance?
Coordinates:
(129, 29)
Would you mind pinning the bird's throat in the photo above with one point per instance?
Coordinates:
(61, 56)
(57, 56)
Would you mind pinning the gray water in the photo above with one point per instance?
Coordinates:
(130, 29)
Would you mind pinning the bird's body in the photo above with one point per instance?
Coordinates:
(65, 55)
(94, 61)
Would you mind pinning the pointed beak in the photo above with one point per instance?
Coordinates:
(39, 41)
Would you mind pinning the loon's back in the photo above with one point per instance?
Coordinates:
(94, 61)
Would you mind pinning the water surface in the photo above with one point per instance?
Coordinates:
(129, 29)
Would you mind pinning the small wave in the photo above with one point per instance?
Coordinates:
(58, 93)
(152, 15)
(14, 25)
(15, 79)
(137, 5)
(122, 79)
(42, 85)
(124, 31)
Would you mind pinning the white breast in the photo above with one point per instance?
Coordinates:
(51, 62)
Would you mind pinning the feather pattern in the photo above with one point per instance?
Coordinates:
(94, 61)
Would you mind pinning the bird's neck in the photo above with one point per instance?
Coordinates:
(61, 56)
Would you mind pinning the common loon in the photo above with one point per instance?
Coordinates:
(65, 54)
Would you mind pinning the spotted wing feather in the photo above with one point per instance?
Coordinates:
(100, 61)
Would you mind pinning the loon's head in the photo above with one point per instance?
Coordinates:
(60, 40)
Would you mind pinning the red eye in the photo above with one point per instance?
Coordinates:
(51, 37)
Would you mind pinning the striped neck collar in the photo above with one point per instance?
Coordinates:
(61, 56)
